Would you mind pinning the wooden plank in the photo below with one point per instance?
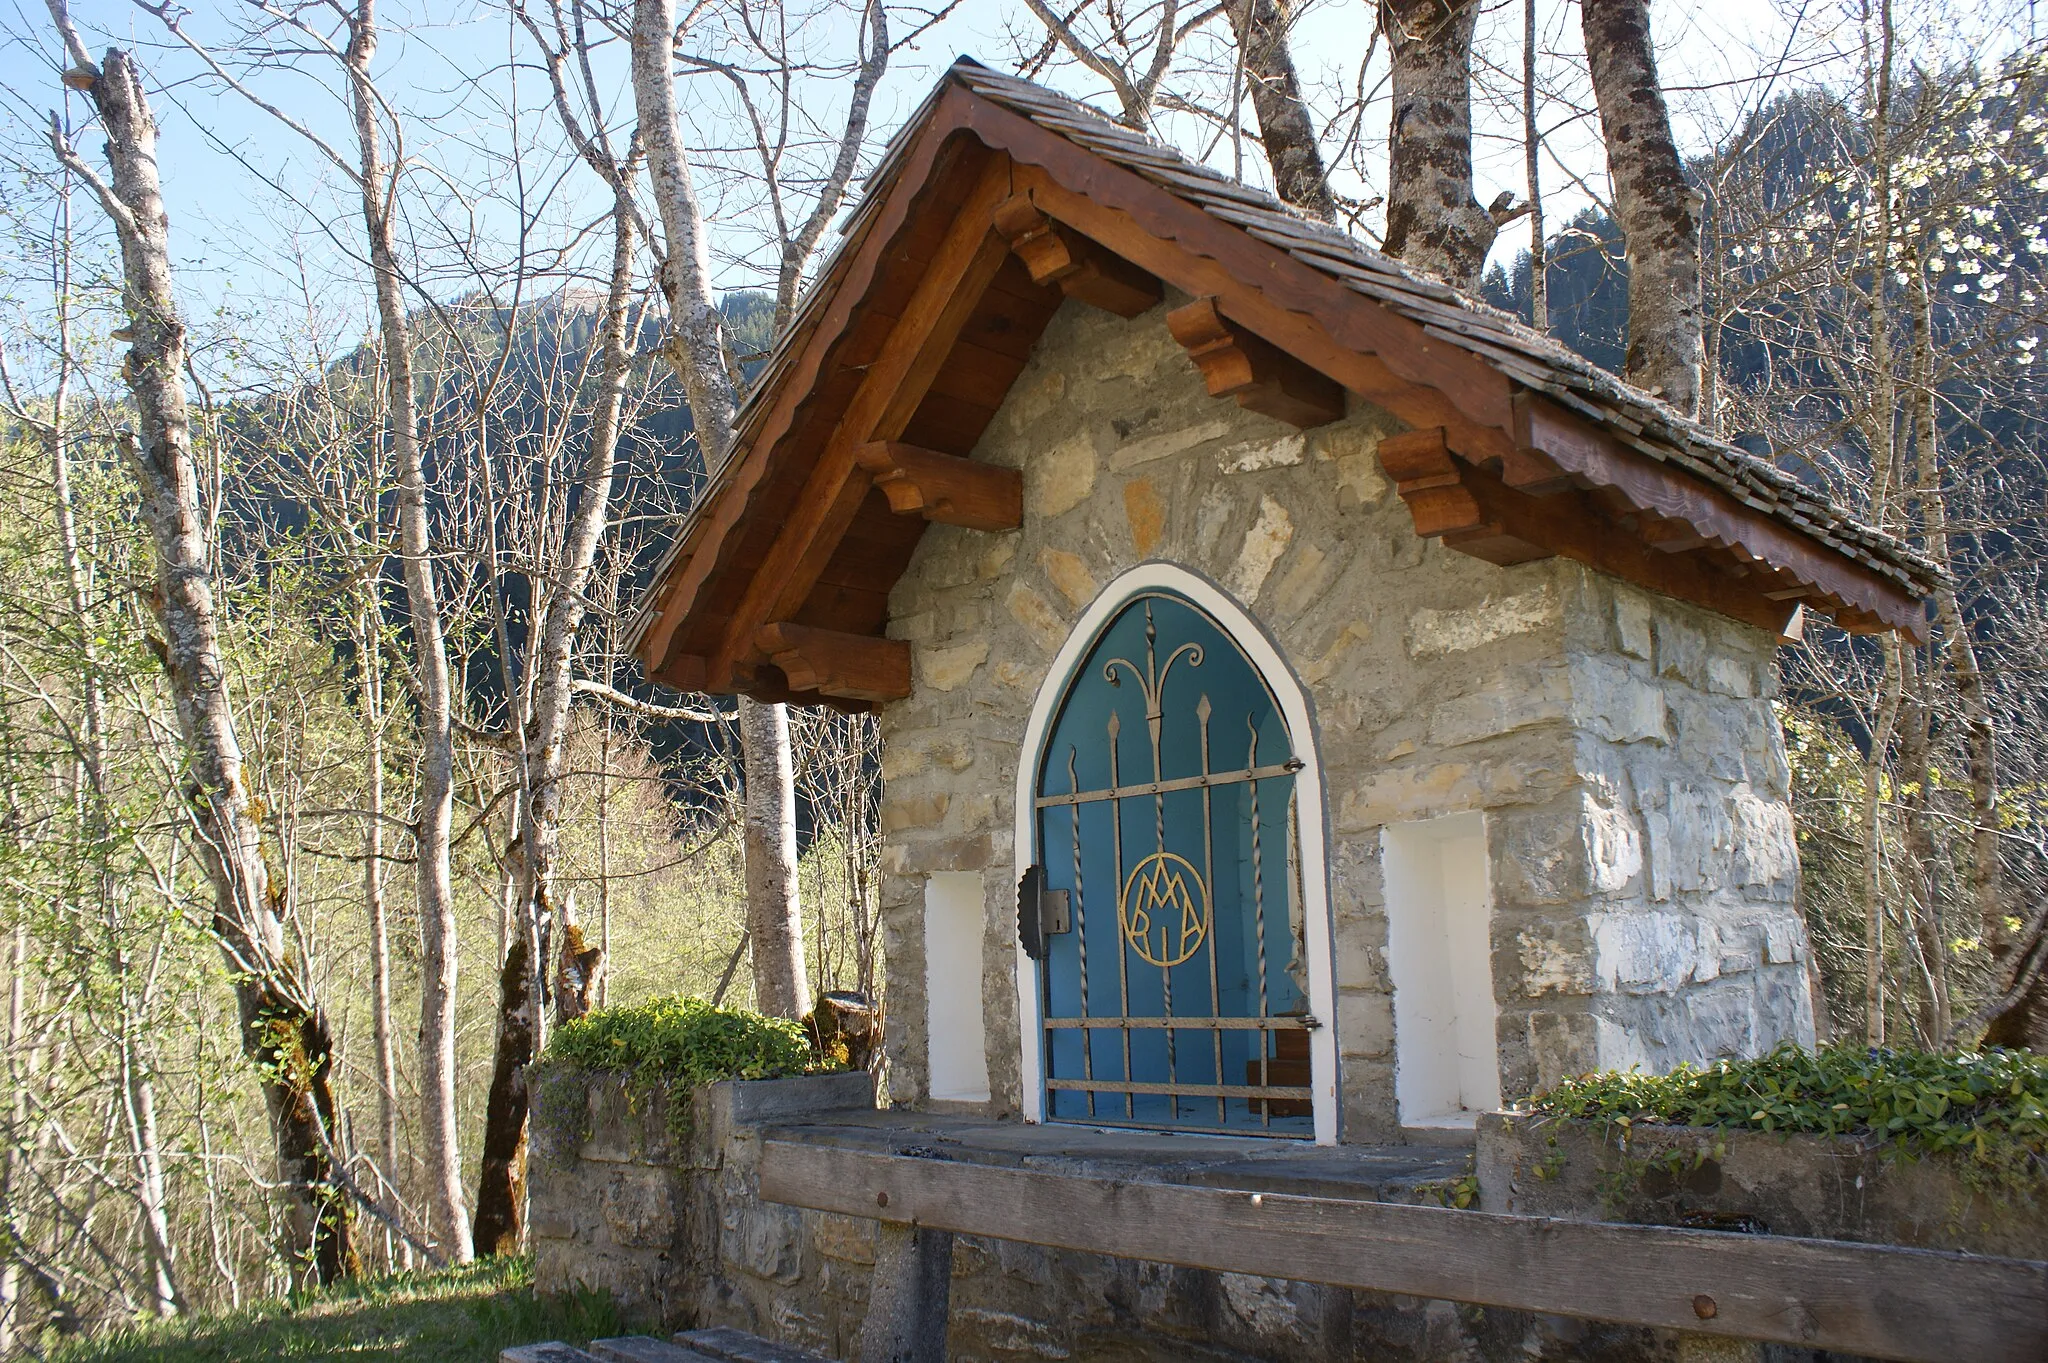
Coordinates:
(1920, 1306)
(944, 487)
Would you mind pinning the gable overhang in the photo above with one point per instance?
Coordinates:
(982, 223)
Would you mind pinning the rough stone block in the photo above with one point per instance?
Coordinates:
(1503, 707)
(1354, 450)
(1145, 514)
(1068, 573)
(1731, 677)
(1613, 703)
(1434, 632)
(849, 1238)
(1146, 449)
(1251, 456)
(1562, 1045)
(1263, 545)
(1060, 478)
(942, 669)
(552, 1351)
(762, 1238)
(1632, 616)
(1681, 648)
(1044, 624)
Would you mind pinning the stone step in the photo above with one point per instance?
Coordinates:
(737, 1346)
(552, 1351)
(644, 1349)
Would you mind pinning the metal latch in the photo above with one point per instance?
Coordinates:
(1041, 913)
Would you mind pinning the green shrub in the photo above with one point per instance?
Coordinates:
(1990, 1106)
(683, 1042)
(673, 1044)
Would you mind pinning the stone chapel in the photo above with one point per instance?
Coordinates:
(1314, 704)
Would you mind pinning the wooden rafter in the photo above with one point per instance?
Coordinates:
(1475, 512)
(1261, 376)
(944, 487)
(896, 382)
(832, 663)
(1078, 267)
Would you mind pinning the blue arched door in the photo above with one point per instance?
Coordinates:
(1167, 814)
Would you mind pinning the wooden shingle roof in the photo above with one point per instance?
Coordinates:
(999, 198)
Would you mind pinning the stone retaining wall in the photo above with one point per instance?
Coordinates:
(674, 1229)
(1826, 1188)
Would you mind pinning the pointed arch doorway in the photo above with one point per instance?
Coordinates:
(1170, 826)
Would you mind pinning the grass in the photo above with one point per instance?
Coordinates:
(461, 1315)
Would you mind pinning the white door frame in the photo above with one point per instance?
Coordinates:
(1293, 701)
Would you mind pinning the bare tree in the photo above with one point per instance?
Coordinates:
(1285, 127)
(284, 1032)
(541, 733)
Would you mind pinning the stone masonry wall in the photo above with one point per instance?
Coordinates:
(1622, 745)
(674, 1230)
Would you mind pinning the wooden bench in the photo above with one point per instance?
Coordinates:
(1921, 1306)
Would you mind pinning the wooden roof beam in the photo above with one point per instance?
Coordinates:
(967, 258)
(1394, 362)
(944, 487)
(832, 663)
(1073, 264)
(1472, 510)
(1262, 377)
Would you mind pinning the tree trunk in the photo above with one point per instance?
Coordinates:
(2019, 1015)
(1284, 125)
(501, 1190)
(383, 1043)
(1532, 168)
(1433, 221)
(774, 920)
(442, 1189)
(1652, 199)
(697, 352)
(282, 1030)
(1983, 879)
(696, 347)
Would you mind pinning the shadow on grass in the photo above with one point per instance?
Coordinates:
(462, 1315)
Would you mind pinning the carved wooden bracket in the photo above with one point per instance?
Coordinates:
(856, 666)
(944, 487)
(1262, 377)
(1058, 256)
(1432, 482)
